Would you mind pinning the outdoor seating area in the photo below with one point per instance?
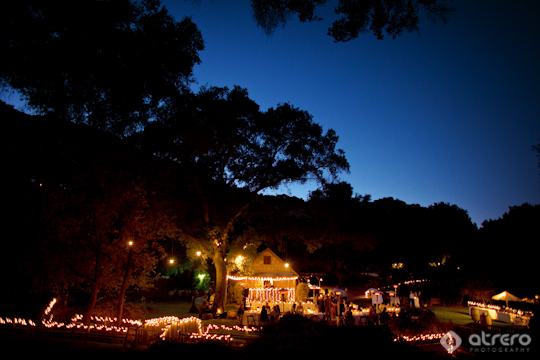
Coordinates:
(494, 312)
(271, 293)
(257, 312)
(481, 312)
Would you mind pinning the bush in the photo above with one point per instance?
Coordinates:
(416, 321)
(295, 337)
(235, 292)
(302, 292)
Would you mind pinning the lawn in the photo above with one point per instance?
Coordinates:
(160, 308)
(180, 309)
(459, 315)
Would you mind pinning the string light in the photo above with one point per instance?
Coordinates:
(413, 281)
(420, 337)
(270, 294)
(50, 307)
(450, 342)
(267, 294)
(261, 278)
(171, 327)
(482, 305)
(17, 321)
(496, 308)
(429, 337)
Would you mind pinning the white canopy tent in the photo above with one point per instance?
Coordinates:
(505, 296)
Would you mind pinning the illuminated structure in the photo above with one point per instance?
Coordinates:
(273, 279)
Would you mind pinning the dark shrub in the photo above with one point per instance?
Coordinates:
(416, 321)
(295, 337)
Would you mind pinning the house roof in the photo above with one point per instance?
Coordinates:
(285, 272)
(267, 250)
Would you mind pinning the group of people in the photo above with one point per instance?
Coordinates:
(207, 306)
(328, 304)
(266, 315)
(273, 315)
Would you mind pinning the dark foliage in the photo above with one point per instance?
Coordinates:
(516, 234)
(105, 63)
(412, 321)
(381, 18)
(294, 337)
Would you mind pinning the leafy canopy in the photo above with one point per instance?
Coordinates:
(108, 63)
(379, 17)
(222, 134)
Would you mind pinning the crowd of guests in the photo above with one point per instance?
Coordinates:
(268, 313)
(332, 304)
(208, 306)
(328, 305)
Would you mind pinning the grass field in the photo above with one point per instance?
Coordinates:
(459, 315)
(161, 308)
(180, 309)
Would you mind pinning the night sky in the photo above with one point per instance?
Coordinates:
(449, 114)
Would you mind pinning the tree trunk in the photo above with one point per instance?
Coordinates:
(221, 280)
(340, 273)
(95, 289)
(219, 260)
(123, 288)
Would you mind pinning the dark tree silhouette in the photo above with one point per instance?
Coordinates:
(514, 234)
(109, 64)
(537, 150)
(343, 234)
(379, 17)
(77, 195)
(231, 152)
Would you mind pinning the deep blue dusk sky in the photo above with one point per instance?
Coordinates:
(449, 114)
(445, 115)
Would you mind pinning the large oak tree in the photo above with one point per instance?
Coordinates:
(107, 63)
(230, 152)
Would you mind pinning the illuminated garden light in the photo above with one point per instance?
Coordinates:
(239, 261)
